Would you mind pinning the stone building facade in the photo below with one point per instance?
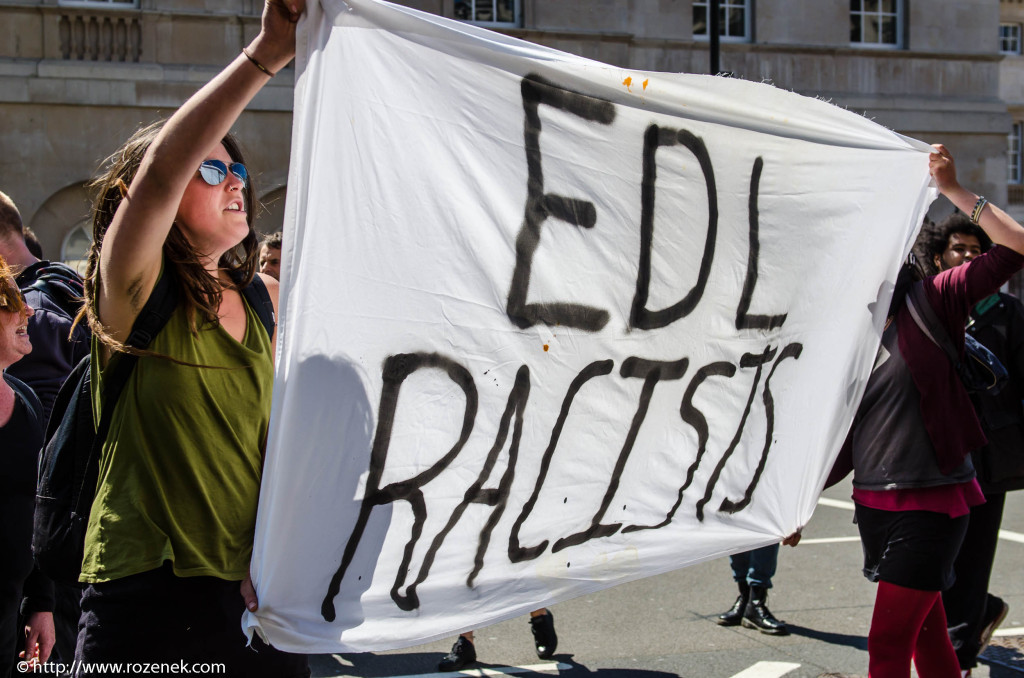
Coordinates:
(78, 76)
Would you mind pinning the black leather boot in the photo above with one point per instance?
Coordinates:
(734, 614)
(758, 616)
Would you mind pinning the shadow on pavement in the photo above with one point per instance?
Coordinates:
(578, 669)
(1005, 657)
(858, 642)
(370, 665)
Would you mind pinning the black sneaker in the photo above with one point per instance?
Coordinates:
(544, 637)
(462, 655)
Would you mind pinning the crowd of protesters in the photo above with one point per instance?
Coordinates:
(165, 572)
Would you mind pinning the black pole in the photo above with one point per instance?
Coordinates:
(713, 31)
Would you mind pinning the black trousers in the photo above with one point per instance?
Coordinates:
(968, 598)
(157, 618)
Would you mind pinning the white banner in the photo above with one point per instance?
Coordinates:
(550, 325)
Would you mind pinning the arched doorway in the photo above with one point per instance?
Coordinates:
(61, 222)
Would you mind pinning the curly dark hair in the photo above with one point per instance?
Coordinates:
(934, 238)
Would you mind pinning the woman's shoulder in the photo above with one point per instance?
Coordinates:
(28, 400)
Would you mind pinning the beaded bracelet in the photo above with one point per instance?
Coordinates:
(256, 63)
(978, 207)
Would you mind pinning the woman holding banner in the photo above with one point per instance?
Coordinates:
(171, 528)
(911, 441)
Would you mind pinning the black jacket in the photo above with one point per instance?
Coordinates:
(1000, 464)
(53, 354)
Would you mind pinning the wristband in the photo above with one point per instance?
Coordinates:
(256, 63)
(978, 207)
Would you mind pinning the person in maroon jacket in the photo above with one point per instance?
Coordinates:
(997, 321)
(914, 484)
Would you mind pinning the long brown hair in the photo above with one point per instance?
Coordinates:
(198, 292)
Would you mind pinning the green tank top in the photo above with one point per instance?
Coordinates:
(179, 475)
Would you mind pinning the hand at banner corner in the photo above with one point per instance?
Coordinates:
(248, 592)
(274, 47)
(943, 169)
(793, 539)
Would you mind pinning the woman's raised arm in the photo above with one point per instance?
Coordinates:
(131, 253)
(999, 225)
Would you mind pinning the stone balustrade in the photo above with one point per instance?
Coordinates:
(100, 36)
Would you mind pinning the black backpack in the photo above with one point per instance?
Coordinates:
(70, 460)
(980, 371)
(57, 281)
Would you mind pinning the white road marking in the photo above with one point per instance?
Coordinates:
(546, 667)
(835, 503)
(829, 540)
(767, 670)
(1011, 536)
(849, 506)
(1018, 631)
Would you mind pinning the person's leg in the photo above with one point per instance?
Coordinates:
(967, 604)
(127, 620)
(756, 615)
(895, 625)
(933, 654)
(761, 567)
(740, 565)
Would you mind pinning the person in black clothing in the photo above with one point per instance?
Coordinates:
(21, 435)
(997, 322)
(54, 291)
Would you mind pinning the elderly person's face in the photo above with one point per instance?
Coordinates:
(14, 315)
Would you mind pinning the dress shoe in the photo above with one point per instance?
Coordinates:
(758, 616)
(462, 655)
(734, 615)
(544, 637)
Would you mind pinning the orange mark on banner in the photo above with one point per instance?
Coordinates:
(645, 84)
(628, 82)
(546, 347)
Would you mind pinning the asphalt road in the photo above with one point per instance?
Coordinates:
(662, 626)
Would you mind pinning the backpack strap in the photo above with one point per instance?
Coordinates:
(151, 319)
(259, 299)
(924, 315)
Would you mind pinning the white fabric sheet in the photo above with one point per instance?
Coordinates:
(551, 325)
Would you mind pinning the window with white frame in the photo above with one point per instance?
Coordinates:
(1013, 154)
(1009, 38)
(488, 12)
(733, 19)
(876, 23)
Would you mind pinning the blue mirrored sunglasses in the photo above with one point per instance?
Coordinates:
(214, 172)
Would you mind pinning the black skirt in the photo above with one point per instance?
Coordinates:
(912, 549)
